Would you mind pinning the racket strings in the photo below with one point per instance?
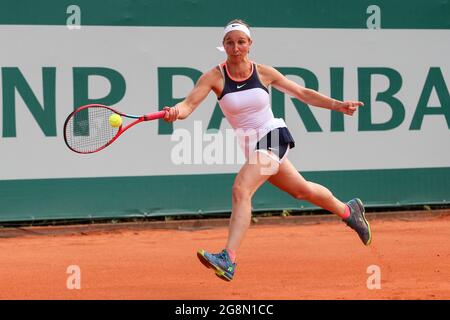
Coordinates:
(89, 129)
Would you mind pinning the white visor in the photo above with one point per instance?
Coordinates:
(233, 27)
(236, 26)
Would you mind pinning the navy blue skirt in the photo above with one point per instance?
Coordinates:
(278, 141)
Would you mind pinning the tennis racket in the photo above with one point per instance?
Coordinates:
(88, 129)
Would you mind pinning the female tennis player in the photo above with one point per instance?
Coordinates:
(241, 87)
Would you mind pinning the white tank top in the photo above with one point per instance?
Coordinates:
(246, 105)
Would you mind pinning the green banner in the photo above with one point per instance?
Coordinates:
(395, 14)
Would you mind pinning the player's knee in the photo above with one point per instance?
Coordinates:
(240, 193)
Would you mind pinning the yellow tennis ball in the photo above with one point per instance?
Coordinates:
(115, 120)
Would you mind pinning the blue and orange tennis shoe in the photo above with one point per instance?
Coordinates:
(220, 262)
(357, 221)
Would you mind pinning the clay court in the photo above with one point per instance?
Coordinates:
(314, 257)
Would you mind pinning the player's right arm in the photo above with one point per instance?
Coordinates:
(201, 90)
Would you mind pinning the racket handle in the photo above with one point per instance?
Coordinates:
(156, 115)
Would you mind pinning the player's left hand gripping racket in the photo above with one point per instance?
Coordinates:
(88, 129)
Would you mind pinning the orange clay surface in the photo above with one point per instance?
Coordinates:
(290, 258)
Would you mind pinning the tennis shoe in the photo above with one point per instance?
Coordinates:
(220, 262)
(357, 221)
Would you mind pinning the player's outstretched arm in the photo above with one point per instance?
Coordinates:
(309, 96)
(201, 90)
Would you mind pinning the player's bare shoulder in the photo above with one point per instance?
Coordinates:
(212, 76)
(267, 74)
(213, 79)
